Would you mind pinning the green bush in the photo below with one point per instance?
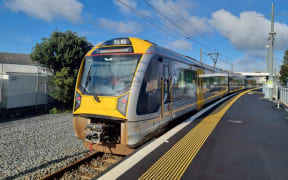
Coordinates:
(62, 54)
(54, 111)
(58, 111)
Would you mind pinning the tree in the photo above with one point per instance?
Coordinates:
(284, 68)
(61, 54)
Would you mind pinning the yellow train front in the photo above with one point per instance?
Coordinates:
(128, 89)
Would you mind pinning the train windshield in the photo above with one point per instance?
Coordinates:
(108, 75)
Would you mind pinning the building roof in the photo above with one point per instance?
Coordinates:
(260, 74)
(16, 58)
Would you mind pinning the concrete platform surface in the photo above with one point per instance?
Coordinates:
(244, 138)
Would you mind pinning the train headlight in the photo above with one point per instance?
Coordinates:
(122, 104)
(77, 101)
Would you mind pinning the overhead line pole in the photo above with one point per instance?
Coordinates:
(272, 34)
(267, 57)
(214, 58)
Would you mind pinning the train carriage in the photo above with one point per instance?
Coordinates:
(127, 89)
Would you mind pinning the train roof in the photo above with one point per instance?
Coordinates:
(145, 46)
(185, 59)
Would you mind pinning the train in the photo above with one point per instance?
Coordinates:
(129, 89)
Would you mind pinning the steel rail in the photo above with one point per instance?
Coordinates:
(59, 173)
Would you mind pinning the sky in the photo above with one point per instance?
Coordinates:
(238, 30)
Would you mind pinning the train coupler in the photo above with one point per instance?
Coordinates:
(94, 132)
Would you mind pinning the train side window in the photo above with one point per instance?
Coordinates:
(166, 69)
(166, 80)
(150, 97)
(184, 82)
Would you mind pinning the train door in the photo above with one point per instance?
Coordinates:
(200, 92)
(166, 90)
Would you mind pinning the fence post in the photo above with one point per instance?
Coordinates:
(282, 94)
(285, 95)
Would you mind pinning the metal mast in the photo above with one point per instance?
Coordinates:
(214, 57)
(272, 35)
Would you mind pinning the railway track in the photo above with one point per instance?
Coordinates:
(85, 168)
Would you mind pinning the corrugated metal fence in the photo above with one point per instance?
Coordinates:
(23, 86)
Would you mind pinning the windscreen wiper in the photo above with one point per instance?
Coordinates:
(96, 98)
(86, 84)
(87, 78)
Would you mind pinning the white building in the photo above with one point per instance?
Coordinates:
(261, 77)
(23, 83)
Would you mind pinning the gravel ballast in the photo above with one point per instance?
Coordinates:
(34, 147)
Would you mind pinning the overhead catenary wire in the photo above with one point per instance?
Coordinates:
(150, 20)
(189, 24)
(168, 19)
(145, 17)
(177, 26)
(156, 25)
(185, 21)
(187, 35)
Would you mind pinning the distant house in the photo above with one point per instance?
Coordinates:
(23, 83)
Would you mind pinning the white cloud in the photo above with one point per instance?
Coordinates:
(249, 31)
(127, 27)
(248, 64)
(180, 44)
(48, 9)
(251, 61)
(261, 54)
(179, 13)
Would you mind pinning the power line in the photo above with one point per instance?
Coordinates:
(179, 27)
(185, 20)
(187, 36)
(144, 17)
(148, 19)
(168, 19)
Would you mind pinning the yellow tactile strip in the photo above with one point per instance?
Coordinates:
(174, 163)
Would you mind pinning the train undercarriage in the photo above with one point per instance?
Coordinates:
(102, 135)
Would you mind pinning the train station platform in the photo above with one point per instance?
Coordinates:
(245, 137)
